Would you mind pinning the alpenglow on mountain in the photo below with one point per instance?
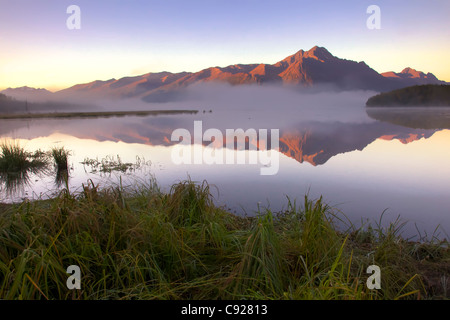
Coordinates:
(311, 68)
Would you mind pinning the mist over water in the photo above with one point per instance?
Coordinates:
(318, 103)
(328, 146)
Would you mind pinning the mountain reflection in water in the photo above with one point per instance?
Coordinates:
(361, 166)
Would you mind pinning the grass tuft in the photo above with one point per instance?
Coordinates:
(60, 157)
(16, 164)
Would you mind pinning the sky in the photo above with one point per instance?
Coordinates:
(120, 38)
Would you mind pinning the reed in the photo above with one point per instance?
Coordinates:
(60, 157)
(16, 164)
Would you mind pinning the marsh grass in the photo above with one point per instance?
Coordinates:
(137, 242)
(14, 158)
(61, 163)
(16, 165)
(111, 164)
(60, 157)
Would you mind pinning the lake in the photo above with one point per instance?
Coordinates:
(362, 162)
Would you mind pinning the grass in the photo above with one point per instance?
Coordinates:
(110, 164)
(16, 164)
(60, 156)
(14, 158)
(141, 243)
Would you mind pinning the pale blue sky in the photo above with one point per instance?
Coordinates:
(130, 37)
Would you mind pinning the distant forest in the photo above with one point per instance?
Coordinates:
(10, 105)
(422, 95)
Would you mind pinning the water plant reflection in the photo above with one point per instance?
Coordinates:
(16, 165)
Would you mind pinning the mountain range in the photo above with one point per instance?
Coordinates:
(311, 68)
(23, 93)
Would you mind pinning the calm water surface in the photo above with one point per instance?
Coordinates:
(361, 163)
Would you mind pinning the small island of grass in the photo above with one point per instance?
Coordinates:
(415, 96)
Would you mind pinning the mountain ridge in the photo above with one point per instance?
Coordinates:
(314, 67)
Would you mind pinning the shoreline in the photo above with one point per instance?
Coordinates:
(142, 243)
(93, 114)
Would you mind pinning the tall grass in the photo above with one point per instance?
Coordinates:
(13, 158)
(16, 164)
(60, 157)
(141, 243)
(61, 162)
(260, 268)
